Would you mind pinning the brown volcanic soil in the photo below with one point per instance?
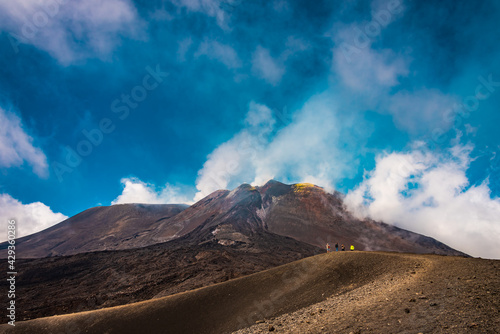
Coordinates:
(437, 295)
(307, 213)
(344, 292)
(121, 226)
(66, 284)
(301, 211)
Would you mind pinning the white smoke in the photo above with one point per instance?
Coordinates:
(306, 150)
(234, 161)
(137, 191)
(429, 193)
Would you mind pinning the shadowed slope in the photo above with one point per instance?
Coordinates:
(234, 304)
(119, 226)
(89, 281)
(335, 292)
(437, 295)
(307, 213)
(301, 211)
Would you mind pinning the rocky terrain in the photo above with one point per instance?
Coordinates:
(304, 212)
(89, 281)
(109, 256)
(434, 295)
(100, 228)
(344, 292)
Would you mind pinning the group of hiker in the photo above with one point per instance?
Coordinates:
(342, 247)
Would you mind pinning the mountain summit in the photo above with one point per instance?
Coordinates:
(242, 218)
(109, 256)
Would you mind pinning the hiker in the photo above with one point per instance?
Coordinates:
(352, 248)
(337, 247)
(328, 248)
(343, 248)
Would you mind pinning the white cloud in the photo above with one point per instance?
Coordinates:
(266, 67)
(372, 76)
(30, 218)
(184, 46)
(281, 6)
(306, 150)
(362, 69)
(136, 191)
(70, 30)
(220, 52)
(161, 15)
(294, 45)
(416, 111)
(370, 70)
(354, 41)
(214, 8)
(234, 160)
(16, 147)
(429, 193)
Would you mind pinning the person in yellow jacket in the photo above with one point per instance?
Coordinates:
(352, 248)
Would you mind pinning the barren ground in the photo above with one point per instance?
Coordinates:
(436, 295)
(344, 292)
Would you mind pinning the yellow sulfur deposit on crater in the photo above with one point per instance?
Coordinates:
(248, 187)
(299, 187)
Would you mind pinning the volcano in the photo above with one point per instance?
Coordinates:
(241, 217)
(110, 256)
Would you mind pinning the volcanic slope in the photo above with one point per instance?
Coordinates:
(95, 229)
(226, 235)
(301, 211)
(338, 292)
(89, 281)
(307, 213)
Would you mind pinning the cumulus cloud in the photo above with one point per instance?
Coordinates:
(267, 67)
(70, 30)
(220, 52)
(306, 150)
(16, 146)
(136, 191)
(30, 218)
(429, 193)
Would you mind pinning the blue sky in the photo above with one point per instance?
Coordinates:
(394, 103)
